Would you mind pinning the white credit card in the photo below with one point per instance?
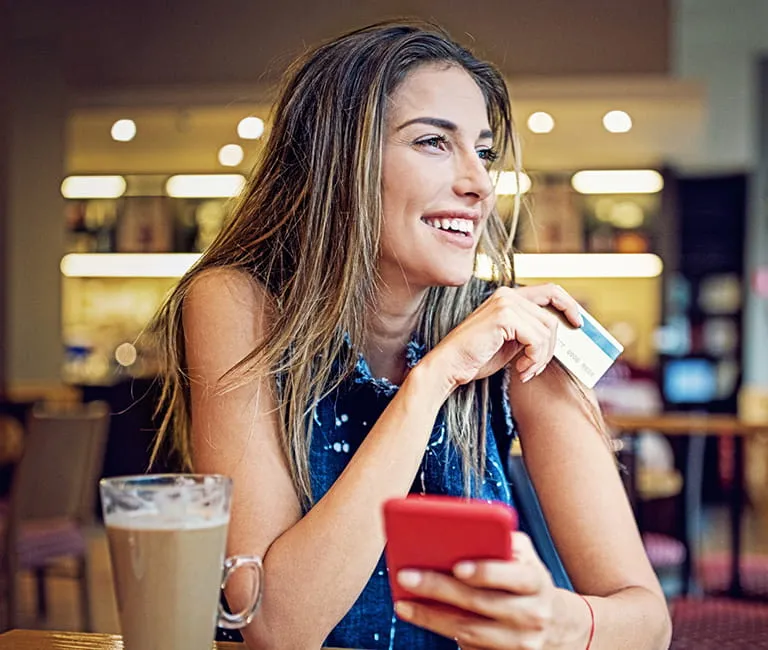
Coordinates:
(587, 351)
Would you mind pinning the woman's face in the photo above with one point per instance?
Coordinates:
(436, 190)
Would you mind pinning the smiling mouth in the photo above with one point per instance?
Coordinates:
(459, 226)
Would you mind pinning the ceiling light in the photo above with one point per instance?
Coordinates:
(231, 155)
(123, 130)
(506, 183)
(127, 265)
(617, 121)
(618, 181)
(532, 266)
(204, 185)
(250, 128)
(92, 187)
(541, 122)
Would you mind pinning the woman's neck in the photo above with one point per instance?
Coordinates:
(394, 320)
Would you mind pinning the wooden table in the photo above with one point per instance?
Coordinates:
(693, 424)
(686, 424)
(45, 640)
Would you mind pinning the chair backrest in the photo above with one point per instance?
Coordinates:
(11, 440)
(62, 461)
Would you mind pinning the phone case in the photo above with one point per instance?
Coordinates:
(435, 532)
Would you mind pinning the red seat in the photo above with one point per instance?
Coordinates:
(664, 551)
(38, 541)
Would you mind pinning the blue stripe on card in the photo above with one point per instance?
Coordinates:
(599, 339)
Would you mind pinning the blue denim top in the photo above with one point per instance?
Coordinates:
(341, 422)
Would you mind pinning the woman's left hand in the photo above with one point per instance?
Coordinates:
(491, 604)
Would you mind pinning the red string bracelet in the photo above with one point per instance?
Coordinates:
(592, 627)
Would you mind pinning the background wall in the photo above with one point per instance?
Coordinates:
(35, 229)
(5, 60)
(722, 44)
(201, 41)
(719, 43)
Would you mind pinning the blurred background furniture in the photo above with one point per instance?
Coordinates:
(668, 508)
(692, 427)
(52, 499)
(11, 448)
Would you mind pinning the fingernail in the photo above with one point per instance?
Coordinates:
(581, 321)
(539, 371)
(409, 578)
(404, 610)
(464, 570)
(527, 376)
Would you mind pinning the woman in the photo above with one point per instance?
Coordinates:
(334, 331)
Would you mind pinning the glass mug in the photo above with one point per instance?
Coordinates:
(167, 537)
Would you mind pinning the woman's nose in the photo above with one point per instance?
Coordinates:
(472, 178)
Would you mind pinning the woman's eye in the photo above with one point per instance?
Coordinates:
(433, 142)
(488, 155)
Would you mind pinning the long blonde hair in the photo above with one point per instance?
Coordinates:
(307, 227)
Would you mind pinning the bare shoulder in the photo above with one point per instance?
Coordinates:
(236, 431)
(226, 314)
(228, 289)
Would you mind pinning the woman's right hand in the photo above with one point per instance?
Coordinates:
(510, 323)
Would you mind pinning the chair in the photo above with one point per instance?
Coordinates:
(53, 497)
(669, 513)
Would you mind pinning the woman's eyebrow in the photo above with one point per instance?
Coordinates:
(441, 123)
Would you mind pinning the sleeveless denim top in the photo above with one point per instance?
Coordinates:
(341, 422)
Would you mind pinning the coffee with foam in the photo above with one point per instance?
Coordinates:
(144, 521)
(167, 536)
(170, 567)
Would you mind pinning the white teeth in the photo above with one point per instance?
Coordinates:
(457, 225)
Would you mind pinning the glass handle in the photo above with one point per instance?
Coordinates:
(241, 619)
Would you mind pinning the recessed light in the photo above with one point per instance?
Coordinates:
(204, 185)
(231, 155)
(506, 183)
(250, 128)
(617, 122)
(618, 181)
(541, 122)
(123, 130)
(93, 187)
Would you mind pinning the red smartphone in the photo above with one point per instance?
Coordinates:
(435, 532)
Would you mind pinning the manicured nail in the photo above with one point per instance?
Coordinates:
(581, 320)
(539, 371)
(527, 376)
(409, 578)
(404, 610)
(464, 570)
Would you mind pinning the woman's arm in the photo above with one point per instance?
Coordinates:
(514, 604)
(317, 565)
(589, 516)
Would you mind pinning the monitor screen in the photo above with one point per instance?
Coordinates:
(690, 381)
